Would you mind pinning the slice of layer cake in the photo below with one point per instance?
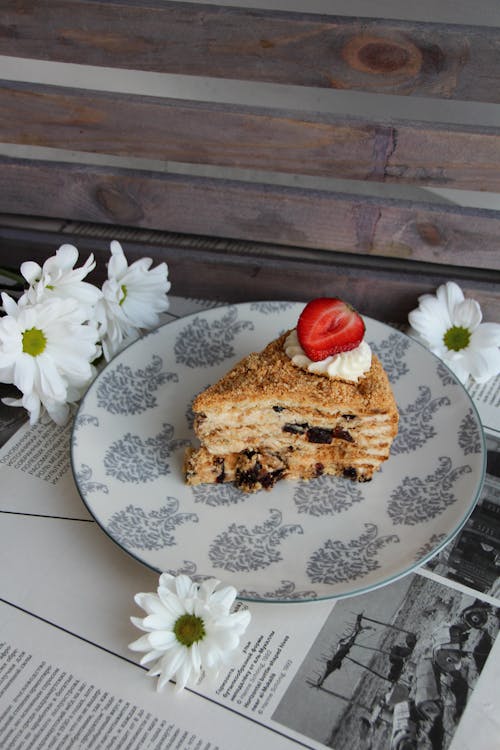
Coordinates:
(269, 418)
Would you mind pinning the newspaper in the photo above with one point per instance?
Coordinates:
(486, 397)
(415, 664)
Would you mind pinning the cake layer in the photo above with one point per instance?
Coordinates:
(279, 427)
(254, 470)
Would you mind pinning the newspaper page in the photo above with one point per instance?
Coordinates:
(486, 397)
(58, 691)
(401, 662)
(415, 664)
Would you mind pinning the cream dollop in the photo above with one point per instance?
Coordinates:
(347, 366)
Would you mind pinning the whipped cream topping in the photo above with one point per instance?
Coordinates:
(347, 366)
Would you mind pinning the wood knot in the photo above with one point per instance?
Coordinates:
(118, 205)
(382, 56)
(430, 233)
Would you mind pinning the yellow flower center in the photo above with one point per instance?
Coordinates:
(124, 294)
(189, 629)
(34, 342)
(456, 338)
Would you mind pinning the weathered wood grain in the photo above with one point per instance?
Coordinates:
(418, 59)
(384, 290)
(262, 213)
(225, 135)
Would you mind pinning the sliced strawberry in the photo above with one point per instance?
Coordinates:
(328, 326)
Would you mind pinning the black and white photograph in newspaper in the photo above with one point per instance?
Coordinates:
(472, 558)
(392, 668)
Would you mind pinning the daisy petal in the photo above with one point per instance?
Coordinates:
(58, 411)
(24, 373)
(167, 580)
(141, 644)
(467, 314)
(224, 598)
(139, 623)
(430, 322)
(9, 304)
(66, 255)
(150, 656)
(450, 295)
(32, 404)
(196, 660)
(485, 364)
(149, 602)
(172, 661)
(459, 367)
(171, 602)
(31, 271)
(162, 639)
(51, 382)
(486, 335)
(185, 587)
(117, 265)
(162, 621)
(207, 587)
(183, 674)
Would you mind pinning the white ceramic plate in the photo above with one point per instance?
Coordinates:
(328, 537)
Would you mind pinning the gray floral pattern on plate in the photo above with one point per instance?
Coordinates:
(152, 530)
(432, 544)
(240, 548)
(392, 353)
(420, 499)
(286, 591)
(469, 435)
(215, 494)
(132, 459)
(204, 344)
(326, 496)
(267, 308)
(87, 484)
(189, 568)
(338, 561)
(83, 420)
(445, 375)
(416, 421)
(122, 390)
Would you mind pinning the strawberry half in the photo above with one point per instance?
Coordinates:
(328, 326)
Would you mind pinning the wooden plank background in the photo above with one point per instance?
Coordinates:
(378, 56)
(263, 213)
(425, 154)
(251, 237)
(208, 268)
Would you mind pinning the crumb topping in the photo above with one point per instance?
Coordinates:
(270, 375)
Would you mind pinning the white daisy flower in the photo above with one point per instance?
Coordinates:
(189, 629)
(132, 298)
(450, 326)
(59, 278)
(46, 351)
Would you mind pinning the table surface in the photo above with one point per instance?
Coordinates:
(416, 659)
